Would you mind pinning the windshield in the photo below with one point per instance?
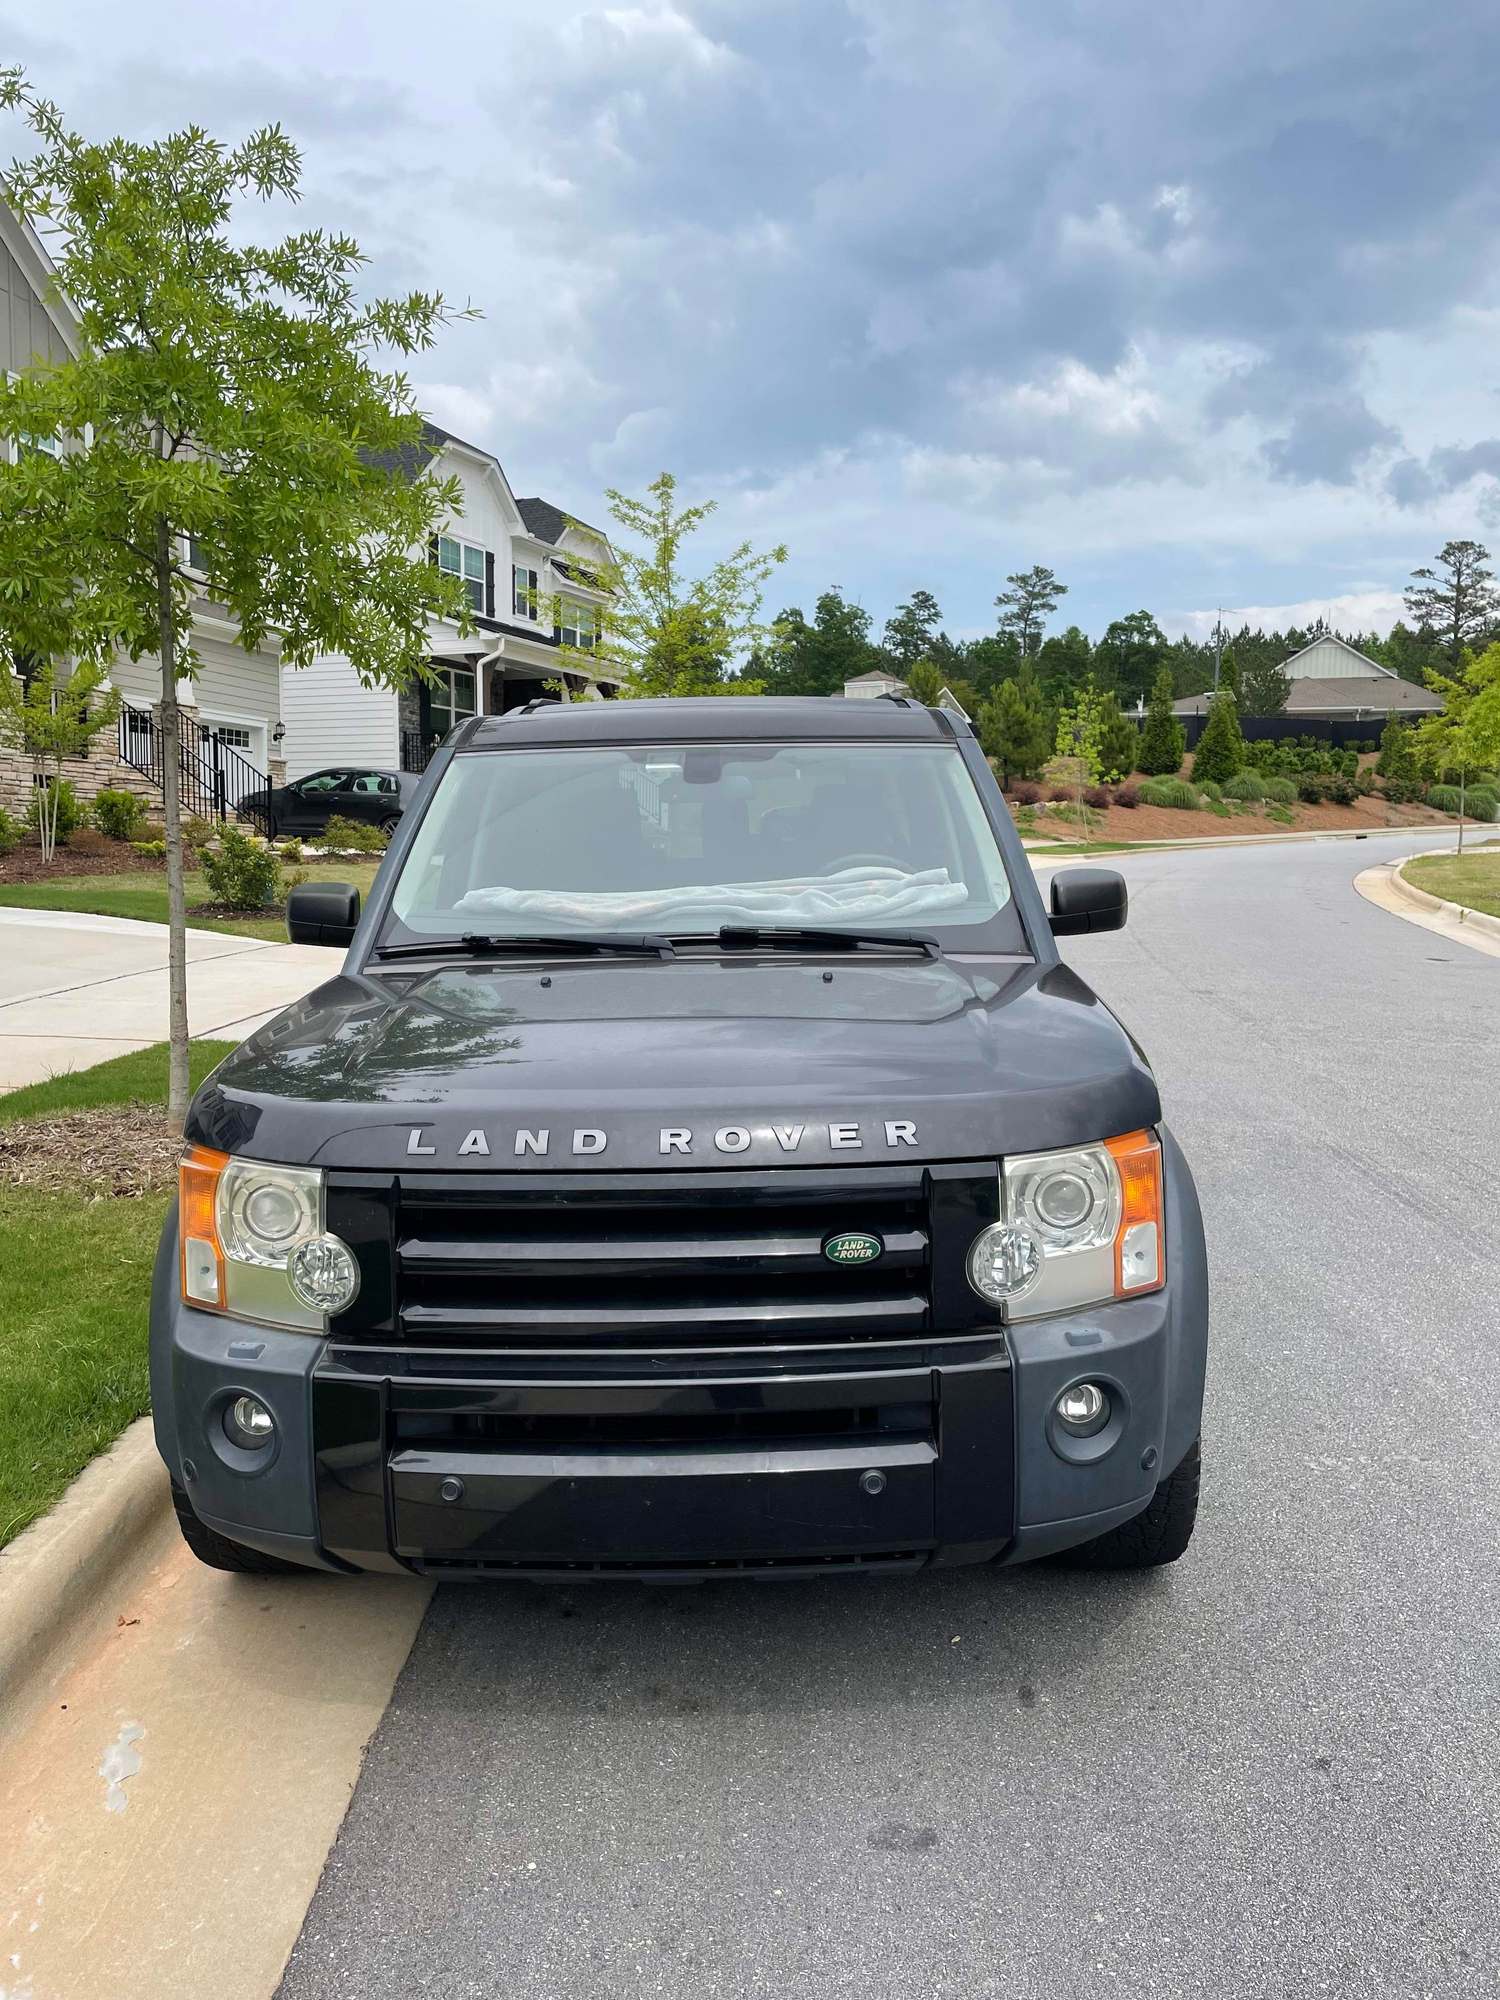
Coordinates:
(686, 838)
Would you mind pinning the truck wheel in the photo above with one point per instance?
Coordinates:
(219, 1552)
(1157, 1536)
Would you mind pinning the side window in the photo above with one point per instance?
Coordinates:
(324, 781)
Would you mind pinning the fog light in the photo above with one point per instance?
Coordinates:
(1004, 1263)
(249, 1424)
(323, 1273)
(1083, 1409)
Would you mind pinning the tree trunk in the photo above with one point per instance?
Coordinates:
(1463, 777)
(178, 1090)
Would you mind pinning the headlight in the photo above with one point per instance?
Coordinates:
(253, 1242)
(1076, 1228)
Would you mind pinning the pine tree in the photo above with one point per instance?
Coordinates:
(1119, 745)
(1163, 739)
(1221, 749)
(1013, 728)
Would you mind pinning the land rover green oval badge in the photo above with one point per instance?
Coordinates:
(853, 1246)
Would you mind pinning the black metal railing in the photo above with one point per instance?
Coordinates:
(416, 750)
(216, 780)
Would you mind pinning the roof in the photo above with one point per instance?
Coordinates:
(875, 674)
(549, 523)
(1343, 694)
(1373, 668)
(411, 460)
(714, 719)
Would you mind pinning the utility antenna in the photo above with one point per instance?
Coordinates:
(1218, 644)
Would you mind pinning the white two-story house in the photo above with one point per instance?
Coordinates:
(513, 558)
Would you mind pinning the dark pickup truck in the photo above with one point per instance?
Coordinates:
(703, 1164)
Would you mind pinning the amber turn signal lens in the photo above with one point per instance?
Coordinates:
(1140, 1241)
(202, 1255)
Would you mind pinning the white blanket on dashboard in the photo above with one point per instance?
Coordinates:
(854, 896)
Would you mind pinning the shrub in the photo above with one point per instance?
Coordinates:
(154, 850)
(1174, 792)
(119, 814)
(1364, 784)
(1446, 798)
(242, 875)
(290, 850)
(1282, 813)
(1221, 747)
(10, 832)
(353, 833)
(1246, 785)
(1397, 750)
(1098, 796)
(1340, 790)
(1403, 791)
(1483, 803)
(1022, 792)
(197, 832)
(1211, 789)
(1218, 808)
(1128, 796)
(69, 811)
(1280, 791)
(1310, 789)
(1059, 796)
(89, 840)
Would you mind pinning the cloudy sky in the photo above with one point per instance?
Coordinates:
(1197, 303)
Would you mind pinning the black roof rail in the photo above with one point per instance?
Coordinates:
(901, 700)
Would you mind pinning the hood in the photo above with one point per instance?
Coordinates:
(624, 1065)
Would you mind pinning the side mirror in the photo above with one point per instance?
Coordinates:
(322, 913)
(1088, 899)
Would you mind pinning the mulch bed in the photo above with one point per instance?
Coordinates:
(118, 857)
(118, 1150)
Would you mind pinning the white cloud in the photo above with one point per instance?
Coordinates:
(1351, 611)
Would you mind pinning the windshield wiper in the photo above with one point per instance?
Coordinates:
(476, 944)
(795, 937)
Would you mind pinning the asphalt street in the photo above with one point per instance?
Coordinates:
(1271, 1770)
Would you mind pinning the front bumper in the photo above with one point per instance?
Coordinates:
(473, 1464)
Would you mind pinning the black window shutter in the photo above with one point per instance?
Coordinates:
(489, 583)
(432, 549)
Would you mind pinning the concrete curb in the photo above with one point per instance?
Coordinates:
(1208, 840)
(60, 1565)
(1458, 913)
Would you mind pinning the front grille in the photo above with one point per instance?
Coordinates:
(885, 1560)
(576, 1432)
(660, 1262)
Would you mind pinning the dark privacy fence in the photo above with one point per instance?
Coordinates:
(1340, 735)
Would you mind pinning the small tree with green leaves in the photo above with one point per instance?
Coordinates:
(222, 391)
(1014, 732)
(1119, 749)
(1397, 760)
(50, 720)
(1466, 736)
(661, 631)
(1221, 748)
(1079, 745)
(1163, 742)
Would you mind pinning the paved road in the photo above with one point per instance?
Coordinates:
(1270, 1771)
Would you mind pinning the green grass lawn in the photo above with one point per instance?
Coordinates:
(145, 897)
(75, 1278)
(1472, 879)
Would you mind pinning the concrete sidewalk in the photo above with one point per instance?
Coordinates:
(76, 989)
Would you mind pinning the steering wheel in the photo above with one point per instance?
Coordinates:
(869, 861)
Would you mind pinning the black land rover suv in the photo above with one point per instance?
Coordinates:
(702, 1164)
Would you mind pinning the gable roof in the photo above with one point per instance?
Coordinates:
(549, 523)
(1371, 667)
(876, 674)
(411, 460)
(1369, 695)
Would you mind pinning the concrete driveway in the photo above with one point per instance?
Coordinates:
(77, 989)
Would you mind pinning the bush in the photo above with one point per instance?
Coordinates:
(290, 850)
(198, 832)
(1280, 791)
(119, 814)
(1483, 803)
(1128, 796)
(353, 833)
(10, 832)
(1174, 792)
(69, 811)
(1059, 796)
(1022, 792)
(1310, 789)
(1445, 798)
(1221, 747)
(154, 850)
(1246, 785)
(1211, 789)
(1364, 784)
(1098, 796)
(1339, 790)
(242, 875)
(1403, 791)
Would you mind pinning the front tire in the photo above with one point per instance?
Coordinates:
(1157, 1536)
(388, 828)
(218, 1552)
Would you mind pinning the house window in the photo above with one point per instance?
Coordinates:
(450, 700)
(464, 560)
(525, 592)
(577, 624)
